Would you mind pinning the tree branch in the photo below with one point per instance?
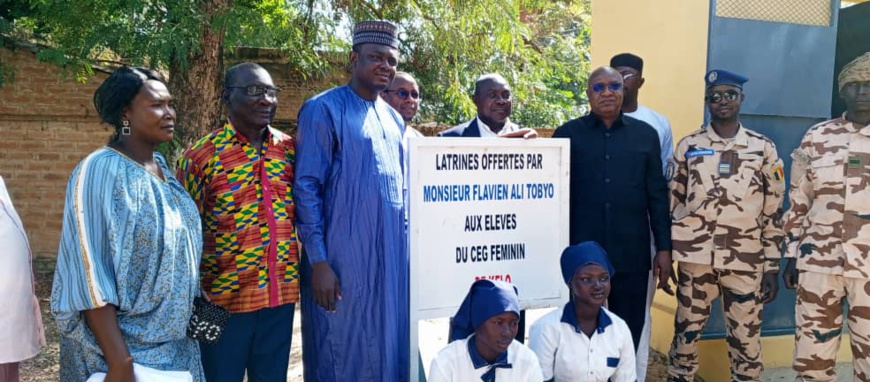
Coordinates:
(533, 45)
(309, 17)
(375, 11)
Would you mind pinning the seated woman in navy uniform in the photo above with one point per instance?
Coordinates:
(584, 341)
(482, 345)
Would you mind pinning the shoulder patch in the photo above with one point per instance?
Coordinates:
(777, 172)
(801, 156)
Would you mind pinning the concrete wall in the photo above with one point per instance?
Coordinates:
(671, 36)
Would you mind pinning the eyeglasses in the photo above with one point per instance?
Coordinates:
(613, 86)
(728, 95)
(627, 76)
(257, 90)
(404, 94)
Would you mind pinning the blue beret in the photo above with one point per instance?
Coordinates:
(576, 256)
(723, 77)
(485, 299)
(376, 32)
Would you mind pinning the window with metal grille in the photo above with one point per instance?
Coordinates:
(805, 12)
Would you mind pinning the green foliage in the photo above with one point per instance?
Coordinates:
(294, 26)
(154, 33)
(78, 34)
(540, 46)
(301, 28)
(10, 10)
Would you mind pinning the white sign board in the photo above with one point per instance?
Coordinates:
(491, 208)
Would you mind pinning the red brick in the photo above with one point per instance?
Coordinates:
(44, 135)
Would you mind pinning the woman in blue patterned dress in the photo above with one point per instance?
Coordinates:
(130, 247)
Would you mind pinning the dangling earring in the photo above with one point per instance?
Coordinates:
(125, 130)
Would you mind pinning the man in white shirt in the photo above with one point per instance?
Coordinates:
(630, 67)
(493, 98)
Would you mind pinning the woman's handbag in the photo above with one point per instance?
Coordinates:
(207, 322)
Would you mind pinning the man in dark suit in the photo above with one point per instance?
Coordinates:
(494, 101)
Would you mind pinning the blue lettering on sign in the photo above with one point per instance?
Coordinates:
(697, 152)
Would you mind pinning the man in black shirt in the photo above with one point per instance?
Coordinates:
(618, 193)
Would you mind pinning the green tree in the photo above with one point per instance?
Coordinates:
(540, 46)
(186, 38)
(183, 37)
(9, 11)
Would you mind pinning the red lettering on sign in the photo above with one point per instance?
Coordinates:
(505, 277)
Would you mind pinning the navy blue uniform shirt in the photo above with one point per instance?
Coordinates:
(618, 191)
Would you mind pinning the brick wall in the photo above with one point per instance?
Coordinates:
(47, 125)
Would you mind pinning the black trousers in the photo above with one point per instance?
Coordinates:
(628, 300)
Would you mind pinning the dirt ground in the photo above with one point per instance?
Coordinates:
(45, 366)
(657, 369)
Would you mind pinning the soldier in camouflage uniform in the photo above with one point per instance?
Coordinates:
(726, 200)
(828, 234)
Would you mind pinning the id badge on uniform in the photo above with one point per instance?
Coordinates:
(854, 166)
(726, 163)
(854, 162)
(724, 168)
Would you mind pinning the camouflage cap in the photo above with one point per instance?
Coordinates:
(856, 71)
